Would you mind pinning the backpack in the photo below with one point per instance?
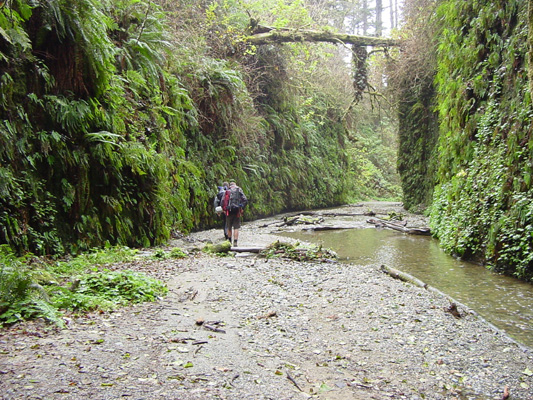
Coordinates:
(218, 198)
(232, 201)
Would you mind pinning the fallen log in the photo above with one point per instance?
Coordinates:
(337, 214)
(268, 224)
(269, 35)
(398, 227)
(301, 219)
(248, 249)
(397, 274)
(328, 228)
(340, 214)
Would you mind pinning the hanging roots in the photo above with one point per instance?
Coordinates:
(360, 73)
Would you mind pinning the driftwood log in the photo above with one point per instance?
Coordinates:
(337, 214)
(328, 227)
(300, 219)
(297, 218)
(397, 274)
(399, 227)
(225, 247)
(248, 249)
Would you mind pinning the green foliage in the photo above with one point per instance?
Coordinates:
(36, 288)
(412, 78)
(481, 205)
(98, 160)
(114, 129)
(122, 287)
(372, 155)
(21, 297)
(28, 309)
(15, 280)
(176, 252)
(93, 259)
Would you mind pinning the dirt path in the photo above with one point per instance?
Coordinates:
(272, 329)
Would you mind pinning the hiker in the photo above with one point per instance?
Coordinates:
(233, 205)
(218, 205)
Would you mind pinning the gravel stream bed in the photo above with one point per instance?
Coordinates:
(246, 327)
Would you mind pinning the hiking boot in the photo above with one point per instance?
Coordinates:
(235, 243)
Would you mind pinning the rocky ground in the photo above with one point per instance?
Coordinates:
(246, 327)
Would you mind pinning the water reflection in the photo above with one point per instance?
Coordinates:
(501, 300)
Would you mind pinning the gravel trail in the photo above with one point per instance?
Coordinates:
(246, 327)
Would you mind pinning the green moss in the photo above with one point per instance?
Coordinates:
(483, 171)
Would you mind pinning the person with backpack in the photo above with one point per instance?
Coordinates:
(217, 203)
(233, 204)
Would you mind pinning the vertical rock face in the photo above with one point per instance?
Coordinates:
(107, 137)
(481, 205)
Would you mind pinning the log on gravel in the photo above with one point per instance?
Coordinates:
(398, 227)
(248, 249)
(403, 276)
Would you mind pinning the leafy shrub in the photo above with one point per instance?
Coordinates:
(96, 257)
(22, 297)
(30, 309)
(122, 287)
(177, 253)
(14, 282)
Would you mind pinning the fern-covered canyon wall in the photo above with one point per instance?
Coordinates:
(119, 118)
(481, 164)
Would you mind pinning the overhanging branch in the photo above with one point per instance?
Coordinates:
(273, 36)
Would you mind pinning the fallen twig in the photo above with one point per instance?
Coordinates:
(290, 378)
(214, 328)
(180, 340)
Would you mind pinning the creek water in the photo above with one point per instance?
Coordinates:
(504, 301)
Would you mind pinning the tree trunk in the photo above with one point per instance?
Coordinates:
(365, 15)
(392, 25)
(379, 17)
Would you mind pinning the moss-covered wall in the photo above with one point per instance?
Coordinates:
(418, 133)
(111, 133)
(482, 206)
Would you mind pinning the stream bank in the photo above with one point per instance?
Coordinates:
(246, 327)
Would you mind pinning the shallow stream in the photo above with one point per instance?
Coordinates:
(505, 302)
